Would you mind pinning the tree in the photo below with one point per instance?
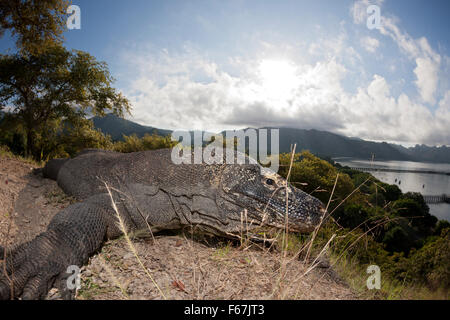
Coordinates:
(67, 139)
(430, 264)
(353, 215)
(441, 225)
(412, 205)
(397, 239)
(418, 198)
(58, 84)
(37, 24)
(147, 142)
(391, 192)
(316, 176)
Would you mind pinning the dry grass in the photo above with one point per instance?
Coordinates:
(196, 269)
(122, 227)
(5, 249)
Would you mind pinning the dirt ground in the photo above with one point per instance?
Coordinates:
(167, 267)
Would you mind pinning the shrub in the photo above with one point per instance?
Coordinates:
(397, 239)
(315, 176)
(441, 225)
(430, 264)
(414, 207)
(391, 192)
(352, 216)
(147, 142)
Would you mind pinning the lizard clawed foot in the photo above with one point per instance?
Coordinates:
(31, 269)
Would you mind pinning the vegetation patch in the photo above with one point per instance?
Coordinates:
(374, 223)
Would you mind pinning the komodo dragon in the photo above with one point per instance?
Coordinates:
(149, 190)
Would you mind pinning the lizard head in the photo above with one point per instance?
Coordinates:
(263, 194)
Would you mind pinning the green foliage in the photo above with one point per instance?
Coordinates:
(441, 225)
(354, 245)
(56, 85)
(408, 208)
(74, 138)
(353, 216)
(430, 264)
(412, 205)
(410, 221)
(359, 179)
(391, 192)
(397, 239)
(315, 176)
(147, 142)
(83, 135)
(6, 152)
(69, 139)
(12, 134)
(61, 139)
(36, 24)
(417, 197)
(381, 226)
(376, 196)
(426, 267)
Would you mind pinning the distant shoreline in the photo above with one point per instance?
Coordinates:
(401, 170)
(337, 159)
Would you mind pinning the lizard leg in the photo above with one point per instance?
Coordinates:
(72, 236)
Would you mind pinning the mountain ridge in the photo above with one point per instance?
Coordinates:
(116, 127)
(322, 143)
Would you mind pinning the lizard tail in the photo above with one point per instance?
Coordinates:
(52, 167)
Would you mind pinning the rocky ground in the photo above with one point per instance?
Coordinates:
(176, 266)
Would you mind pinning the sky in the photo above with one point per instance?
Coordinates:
(216, 65)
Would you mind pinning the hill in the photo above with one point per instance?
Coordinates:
(426, 154)
(117, 127)
(329, 144)
(321, 143)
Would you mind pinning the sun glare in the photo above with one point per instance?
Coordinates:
(278, 77)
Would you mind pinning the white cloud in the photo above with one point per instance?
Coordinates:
(427, 78)
(189, 91)
(418, 50)
(426, 59)
(370, 44)
(336, 47)
(380, 116)
(443, 120)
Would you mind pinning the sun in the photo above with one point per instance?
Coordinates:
(278, 77)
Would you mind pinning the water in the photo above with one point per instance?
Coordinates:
(426, 184)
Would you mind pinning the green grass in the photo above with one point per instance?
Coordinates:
(354, 274)
(350, 254)
(90, 290)
(223, 251)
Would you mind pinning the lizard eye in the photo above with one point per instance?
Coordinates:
(270, 182)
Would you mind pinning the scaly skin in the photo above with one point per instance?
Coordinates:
(149, 189)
